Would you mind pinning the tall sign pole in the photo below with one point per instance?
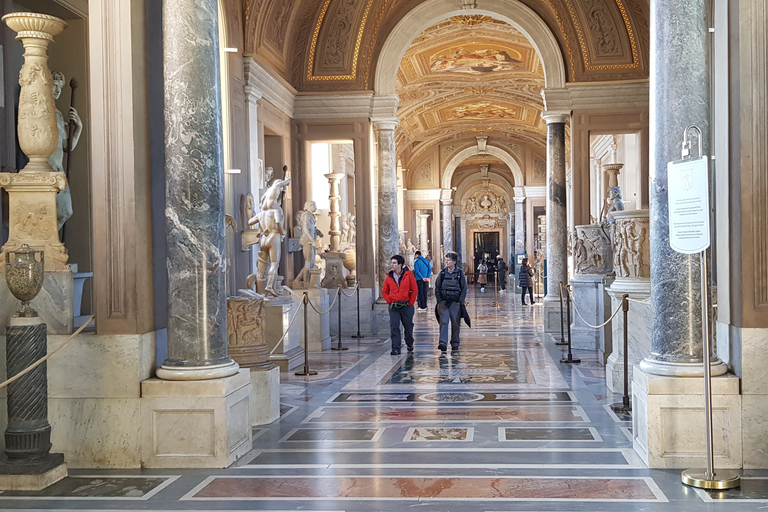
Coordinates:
(689, 233)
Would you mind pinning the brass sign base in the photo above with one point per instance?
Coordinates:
(722, 479)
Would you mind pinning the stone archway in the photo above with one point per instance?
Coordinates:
(471, 151)
(513, 12)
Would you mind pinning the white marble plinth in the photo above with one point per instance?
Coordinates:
(54, 303)
(668, 421)
(96, 417)
(195, 424)
(33, 482)
(639, 328)
(593, 302)
(749, 359)
(380, 319)
(349, 315)
(318, 326)
(265, 396)
(551, 314)
(278, 314)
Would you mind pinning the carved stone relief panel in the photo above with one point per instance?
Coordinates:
(539, 170)
(485, 201)
(423, 175)
(592, 251)
(631, 248)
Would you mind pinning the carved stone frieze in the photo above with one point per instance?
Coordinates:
(245, 332)
(631, 245)
(592, 252)
(485, 201)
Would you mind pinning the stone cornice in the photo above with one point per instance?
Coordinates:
(597, 96)
(271, 89)
(540, 191)
(427, 194)
(317, 106)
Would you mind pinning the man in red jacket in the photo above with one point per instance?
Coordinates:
(400, 293)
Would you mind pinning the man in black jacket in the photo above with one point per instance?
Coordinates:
(501, 273)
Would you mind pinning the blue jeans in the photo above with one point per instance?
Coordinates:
(397, 316)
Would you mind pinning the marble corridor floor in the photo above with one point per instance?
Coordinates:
(500, 426)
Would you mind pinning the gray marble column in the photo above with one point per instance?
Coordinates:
(557, 216)
(447, 221)
(388, 242)
(519, 226)
(679, 77)
(195, 238)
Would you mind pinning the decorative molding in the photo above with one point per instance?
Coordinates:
(318, 106)
(282, 96)
(600, 96)
(540, 191)
(423, 194)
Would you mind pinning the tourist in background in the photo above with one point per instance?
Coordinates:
(422, 270)
(501, 273)
(525, 280)
(482, 275)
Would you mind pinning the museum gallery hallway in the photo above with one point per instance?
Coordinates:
(502, 425)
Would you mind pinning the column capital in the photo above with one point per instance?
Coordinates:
(252, 94)
(552, 117)
(519, 194)
(384, 107)
(385, 124)
(445, 195)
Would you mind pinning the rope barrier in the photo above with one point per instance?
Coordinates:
(587, 323)
(46, 357)
(351, 294)
(645, 301)
(286, 331)
(329, 307)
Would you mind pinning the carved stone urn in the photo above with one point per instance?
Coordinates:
(24, 274)
(350, 263)
(592, 251)
(38, 134)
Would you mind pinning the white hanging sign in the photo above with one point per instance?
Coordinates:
(688, 195)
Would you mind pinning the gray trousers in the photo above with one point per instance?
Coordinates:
(397, 316)
(452, 314)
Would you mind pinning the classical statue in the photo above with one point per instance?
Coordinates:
(269, 222)
(268, 174)
(615, 203)
(64, 197)
(352, 220)
(308, 235)
(410, 249)
(344, 228)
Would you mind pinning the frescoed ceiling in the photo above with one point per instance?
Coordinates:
(472, 75)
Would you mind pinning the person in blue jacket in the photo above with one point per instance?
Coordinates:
(422, 270)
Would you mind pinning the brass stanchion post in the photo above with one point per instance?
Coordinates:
(339, 347)
(625, 406)
(562, 318)
(306, 370)
(570, 358)
(357, 294)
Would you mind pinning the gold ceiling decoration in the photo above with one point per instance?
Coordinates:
(310, 76)
(470, 20)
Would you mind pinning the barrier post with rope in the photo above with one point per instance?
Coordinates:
(626, 405)
(306, 370)
(496, 302)
(359, 335)
(339, 347)
(570, 358)
(562, 318)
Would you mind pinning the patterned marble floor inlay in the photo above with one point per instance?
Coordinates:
(454, 413)
(559, 396)
(477, 488)
(439, 434)
(333, 434)
(548, 434)
(94, 487)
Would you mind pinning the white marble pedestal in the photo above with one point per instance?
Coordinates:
(265, 395)
(668, 423)
(380, 319)
(593, 302)
(319, 326)
(639, 328)
(551, 315)
(290, 353)
(195, 424)
(349, 315)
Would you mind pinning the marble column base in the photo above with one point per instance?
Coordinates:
(265, 396)
(278, 314)
(590, 296)
(380, 319)
(551, 314)
(95, 418)
(668, 421)
(195, 424)
(11, 480)
(639, 328)
(54, 303)
(318, 326)
(334, 270)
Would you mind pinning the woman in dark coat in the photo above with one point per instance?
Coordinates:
(525, 280)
